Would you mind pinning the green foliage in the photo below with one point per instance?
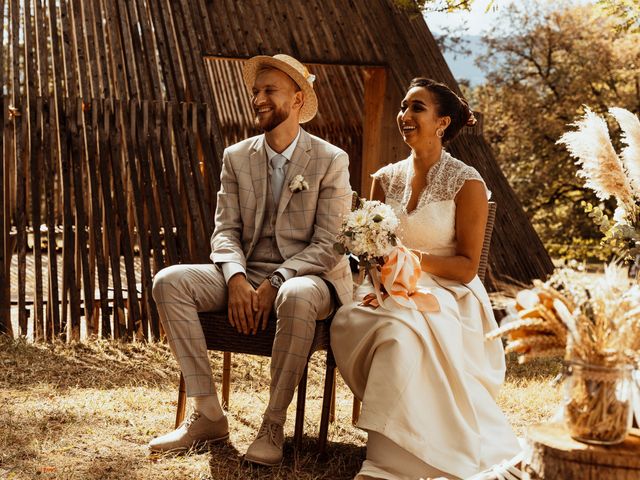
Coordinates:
(543, 63)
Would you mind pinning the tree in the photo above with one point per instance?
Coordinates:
(627, 12)
(543, 63)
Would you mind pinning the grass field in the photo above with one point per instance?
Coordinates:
(87, 411)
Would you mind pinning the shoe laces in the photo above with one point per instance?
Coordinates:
(270, 430)
(195, 415)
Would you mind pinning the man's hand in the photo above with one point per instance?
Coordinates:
(266, 294)
(243, 303)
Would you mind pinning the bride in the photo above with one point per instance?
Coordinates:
(428, 381)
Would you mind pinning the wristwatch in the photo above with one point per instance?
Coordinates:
(276, 280)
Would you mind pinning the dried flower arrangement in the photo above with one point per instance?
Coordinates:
(596, 325)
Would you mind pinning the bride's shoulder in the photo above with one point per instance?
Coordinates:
(392, 175)
(457, 173)
(392, 169)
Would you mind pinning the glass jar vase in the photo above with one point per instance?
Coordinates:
(597, 402)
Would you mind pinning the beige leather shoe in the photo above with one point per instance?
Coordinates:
(195, 432)
(266, 449)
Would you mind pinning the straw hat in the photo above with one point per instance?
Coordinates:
(292, 67)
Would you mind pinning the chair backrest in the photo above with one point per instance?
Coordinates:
(484, 257)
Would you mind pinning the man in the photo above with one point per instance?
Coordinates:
(279, 208)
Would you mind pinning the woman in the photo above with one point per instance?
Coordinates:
(428, 381)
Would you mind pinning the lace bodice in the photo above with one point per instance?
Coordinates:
(431, 225)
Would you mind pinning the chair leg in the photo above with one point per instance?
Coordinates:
(182, 401)
(327, 401)
(355, 413)
(226, 379)
(302, 395)
(332, 413)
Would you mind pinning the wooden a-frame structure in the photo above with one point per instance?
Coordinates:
(115, 114)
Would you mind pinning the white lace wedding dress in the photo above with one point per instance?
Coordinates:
(428, 381)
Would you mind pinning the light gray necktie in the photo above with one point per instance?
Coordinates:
(277, 176)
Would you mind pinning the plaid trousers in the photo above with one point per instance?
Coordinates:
(181, 291)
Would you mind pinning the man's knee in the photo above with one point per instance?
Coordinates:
(166, 280)
(302, 297)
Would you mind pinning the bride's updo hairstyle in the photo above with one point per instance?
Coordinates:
(449, 104)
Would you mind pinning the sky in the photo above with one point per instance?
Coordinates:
(474, 23)
(477, 19)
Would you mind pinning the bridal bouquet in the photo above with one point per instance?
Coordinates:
(368, 232)
(610, 175)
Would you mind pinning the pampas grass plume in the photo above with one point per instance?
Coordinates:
(600, 166)
(630, 125)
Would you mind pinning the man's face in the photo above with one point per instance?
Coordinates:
(273, 99)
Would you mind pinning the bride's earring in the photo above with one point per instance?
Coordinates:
(440, 132)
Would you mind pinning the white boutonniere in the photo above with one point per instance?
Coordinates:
(298, 184)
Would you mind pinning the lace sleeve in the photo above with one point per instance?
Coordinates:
(384, 177)
(470, 173)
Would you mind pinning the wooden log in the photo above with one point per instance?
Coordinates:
(3, 70)
(50, 164)
(116, 62)
(142, 146)
(161, 189)
(127, 241)
(135, 153)
(149, 51)
(5, 254)
(35, 114)
(33, 145)
(200, 251)
(101, 84)
(80, 254)
(554, 455)
(105, 141)
(91, 128)
(130, 61)
(19, 140)
(189, 116)
(57, 158)
(170, 59)
(162, 132)
(71, 79)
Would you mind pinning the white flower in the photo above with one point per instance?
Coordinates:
(298, 184)
(368, 232)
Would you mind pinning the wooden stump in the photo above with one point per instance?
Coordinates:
(554, 455)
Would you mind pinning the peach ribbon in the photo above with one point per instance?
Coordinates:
(399, 276)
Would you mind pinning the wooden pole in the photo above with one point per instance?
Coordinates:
(375, 82)
(19, 138)
(5, 226)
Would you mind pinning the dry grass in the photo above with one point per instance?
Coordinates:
(87, 411)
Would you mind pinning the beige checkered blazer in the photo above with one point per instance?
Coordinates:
(307, 221)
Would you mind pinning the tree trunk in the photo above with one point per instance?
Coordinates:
(555, 455)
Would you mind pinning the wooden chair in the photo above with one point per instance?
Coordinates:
(221, 336)
(482, 270)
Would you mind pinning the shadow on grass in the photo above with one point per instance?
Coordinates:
(340, 461)
(99, 364)
(540, 368)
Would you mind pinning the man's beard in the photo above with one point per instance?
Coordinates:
(278, 115)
